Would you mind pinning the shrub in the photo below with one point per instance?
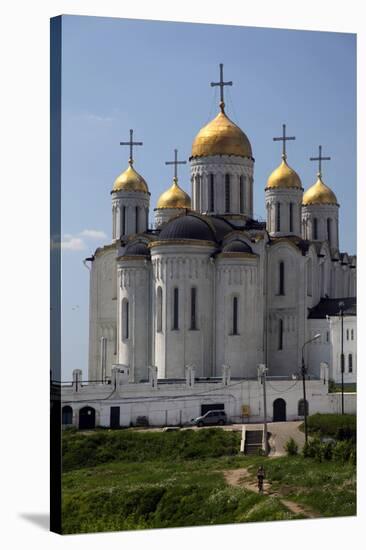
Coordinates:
(345, 451)
(291, 447)
(333, 425)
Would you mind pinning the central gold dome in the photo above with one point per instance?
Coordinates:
(284, 177)
(319, 193)
(174, 197)
(221, 137)
(130, 180)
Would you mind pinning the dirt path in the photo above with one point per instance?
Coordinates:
(242, 478)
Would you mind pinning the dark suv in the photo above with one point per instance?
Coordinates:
(211, 418)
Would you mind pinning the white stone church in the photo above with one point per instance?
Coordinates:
(209, 293)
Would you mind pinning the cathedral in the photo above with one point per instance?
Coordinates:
(208, 286)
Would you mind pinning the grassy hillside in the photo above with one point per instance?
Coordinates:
(134, 480)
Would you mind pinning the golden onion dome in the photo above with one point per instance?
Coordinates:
(174, 197)
(221, 137)
(130, 180)
(319, 193)
(284, 177)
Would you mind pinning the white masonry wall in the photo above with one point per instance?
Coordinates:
(177, 404)
(183, 266)
(102, 310)
(219, 165)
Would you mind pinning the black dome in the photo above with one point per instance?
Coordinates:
(187, 226)
(237, 246)
(222, 227)
(136, 249)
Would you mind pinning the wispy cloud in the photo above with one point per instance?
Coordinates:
(90, 117)
(93, 234)
(78, 242)
(72, 243)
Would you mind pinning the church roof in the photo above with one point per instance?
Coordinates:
(191, 225)
(174, 197)
(221, 137)
(319, 193)
(332, 307)
(284, 177)
(237, 246)
(188, 226)
(136, 248)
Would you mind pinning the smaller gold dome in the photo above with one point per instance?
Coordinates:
(174, 197)
(130, 180)
(221, 137)
(284, 177)
(319, 193)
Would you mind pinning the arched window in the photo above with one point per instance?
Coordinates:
(315, 228)
(350, 362)
(352, 334)
(125, 319)
(227, 192)
(281, 279)
(66, 415)
(278, 216)
(212, 193)
(193, 308)
(147, 218)
(291, 215)
(280, 334)
(309, 277)
(301, 409)
(159, 309)
(175, 309)
(329, 230)
(136, 219)
(235, 315)
(241, 192)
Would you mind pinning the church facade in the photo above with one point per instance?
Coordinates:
(210, 287)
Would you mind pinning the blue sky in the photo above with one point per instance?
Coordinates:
(155, 77)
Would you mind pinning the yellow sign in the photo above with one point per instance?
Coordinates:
(245, 410)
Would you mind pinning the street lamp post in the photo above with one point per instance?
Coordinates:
(303, 372)
(262, 372)
(341, 305)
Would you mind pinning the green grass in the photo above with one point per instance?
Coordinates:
(331, 424)
(159, 480)
(329, 488)
(103, 446)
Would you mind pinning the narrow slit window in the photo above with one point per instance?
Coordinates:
(124, 220)
(227, 193)
(278, 216)
(350, 363)
(281, 277)
(125, 320)
(176, 309)
(235, 315)
(315, 228)
(159, 310)
(241, 191)
(280, 334)
(329, 229)
(212, 193)
(291, 223)
(193, 308)
(136, 219)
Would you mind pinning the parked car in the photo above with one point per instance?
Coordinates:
(211, 418)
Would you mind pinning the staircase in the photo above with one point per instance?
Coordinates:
(253, 442)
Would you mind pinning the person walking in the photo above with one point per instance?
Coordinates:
(260, 478)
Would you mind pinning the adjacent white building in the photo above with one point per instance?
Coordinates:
(212, 287)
